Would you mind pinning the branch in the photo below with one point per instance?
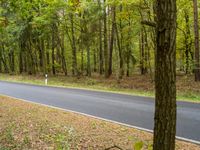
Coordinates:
(112, 147)
(148, 23)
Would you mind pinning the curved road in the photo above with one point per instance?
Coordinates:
(131, 110)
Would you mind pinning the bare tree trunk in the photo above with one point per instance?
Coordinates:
(196, 31)
(74, 59)
(3, 60)
(101, 62)
(95, 60)
(165, 76)
(12, 61)
(143, 54)
(1, 70)
(88, 62)
(21, 67)
(62, 44)
(111, 40)
(53, 50)
(121, 61)
(82, 60)
(188, 42)
(105, 42)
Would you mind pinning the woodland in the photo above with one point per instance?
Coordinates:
(75, 38)
(109, 37)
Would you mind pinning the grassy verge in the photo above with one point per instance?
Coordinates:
(187, 89)
(23, 127)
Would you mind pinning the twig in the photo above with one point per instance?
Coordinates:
(115, 146)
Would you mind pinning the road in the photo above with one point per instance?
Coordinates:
(131, 110)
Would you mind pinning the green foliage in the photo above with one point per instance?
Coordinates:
(24, 24)
(62, 144)
(138, 145)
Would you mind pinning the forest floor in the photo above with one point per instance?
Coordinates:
(23, 127)
(187, 88)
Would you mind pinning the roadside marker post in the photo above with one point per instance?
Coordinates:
(46, 79)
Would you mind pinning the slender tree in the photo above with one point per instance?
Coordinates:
(106, 41)
(196, 31)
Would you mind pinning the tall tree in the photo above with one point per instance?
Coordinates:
(112, 39)
(74, 57)
(165, 76)
(196, 30)
(188, 41)
(101, 62)
(105, 41)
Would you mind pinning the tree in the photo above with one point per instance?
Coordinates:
(196, 30)
(106, 41)
(165, 76)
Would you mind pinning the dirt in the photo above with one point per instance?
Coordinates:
(30, 126)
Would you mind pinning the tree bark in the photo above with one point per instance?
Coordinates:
(101, 62)
(112, 40)
(53, 50)
(196, 31)
(62, 45)
(105, 42)
(88, 62)
(165, 76)
(188, 42)
(143, 54)
(74, 59)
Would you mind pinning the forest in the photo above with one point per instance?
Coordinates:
(106, 38)
(110, 37)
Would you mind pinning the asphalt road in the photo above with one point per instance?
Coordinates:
(131, 110)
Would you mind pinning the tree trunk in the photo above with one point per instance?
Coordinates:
(74, 59)
(101, 63)
(165, 76)
(95, 60)
(1, 70)
(111, 40)
(53, 51)
(62, 45)
(105, 42)
(82, 60)
(121, 61)
(88, 62)
(100, 49)
(21, 68)
(188, 42)
(128, 61)
(196, 31)
(143, 58)
(12, 61)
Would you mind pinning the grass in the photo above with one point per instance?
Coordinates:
(187, 89)
(23, 127)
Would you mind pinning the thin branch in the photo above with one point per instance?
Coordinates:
(148, 23)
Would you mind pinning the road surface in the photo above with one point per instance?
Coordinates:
(131, 110)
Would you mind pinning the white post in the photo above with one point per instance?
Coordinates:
(46, 79)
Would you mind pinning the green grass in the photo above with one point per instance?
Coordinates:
(94, 84)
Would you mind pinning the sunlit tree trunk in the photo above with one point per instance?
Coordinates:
(196, 31)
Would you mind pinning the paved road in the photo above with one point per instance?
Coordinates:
(131, 110)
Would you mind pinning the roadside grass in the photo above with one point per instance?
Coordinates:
(30, 126)
(187, 89)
